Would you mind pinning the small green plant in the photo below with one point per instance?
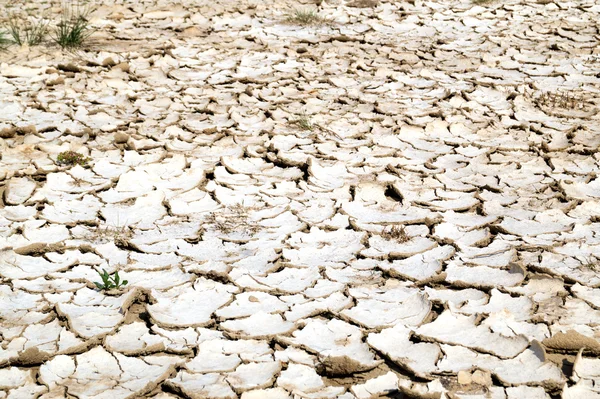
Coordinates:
(303, 122)
(31, 32)
(72, 158)
(110, 281)
(73, 29)
(305, 17)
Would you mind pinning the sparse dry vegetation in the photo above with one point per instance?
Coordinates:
(590, 264)
(305, 17)
(560, 100)
(363, 3)
(303, 122)
(232, 219)
(397, 233)
(27, 31)
(73, 29)
(120, 235)
(4, 41)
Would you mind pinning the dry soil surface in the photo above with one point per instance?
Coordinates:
(402, 199)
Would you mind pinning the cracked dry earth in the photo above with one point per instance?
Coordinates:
(433, 232)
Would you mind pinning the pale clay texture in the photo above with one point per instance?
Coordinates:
(400, 198)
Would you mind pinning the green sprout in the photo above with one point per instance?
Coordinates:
(110, 281)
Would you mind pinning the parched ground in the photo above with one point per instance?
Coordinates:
(403, 200)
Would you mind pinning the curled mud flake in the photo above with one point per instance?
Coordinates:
(40, 342)
(98, 371)
(143, 213)
(248, 303)
(192, 202)
(211, 385)
(81, 211)
(366, 214)
(298, 377)
(577, 315)
(20, 382)
(288, 280)
(18, 190)
(524, 391)
(379, 247)
(382, 385)
(590, 295)
(180, 340)
(395, 344)
(270, 393)
(332, 303)
(586, 374)
(134, 339)
(462, 330)
(205, 296)
(253, 375)
(388, 306)
(528, 368)
(22, 266)
(500, 303)
(526, 228)
(213, 359)
(497, 254)
(17, 71)
(483, 276)
(92, 314)
(323, 248)
(159, 279)
(421, 266)
(337, 344)
(259, 325)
